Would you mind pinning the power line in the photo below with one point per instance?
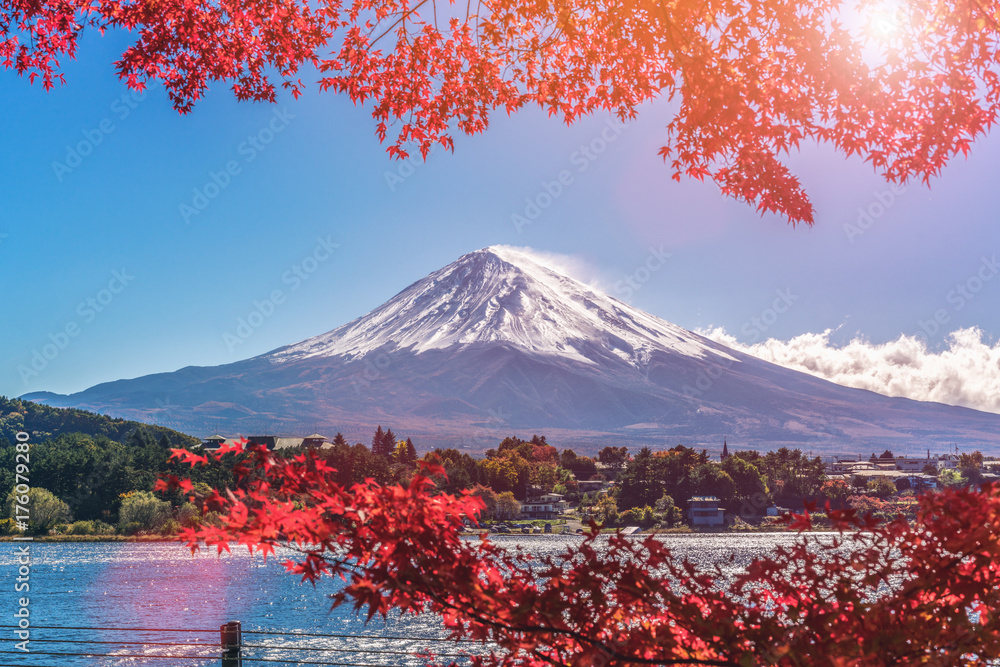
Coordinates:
(142, 643)
(257, 632)
(283, 647)
(198, 658)
(354, 650)
(73, 627)
(311, 662)
(344, 636)
(213, 658)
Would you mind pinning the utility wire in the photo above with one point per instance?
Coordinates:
(95, 641)
(213, 658)
(311, 634)
(310, 662)
(283, 647)
(354, 650)
(257, 632)
(199, 658)
(71, 627)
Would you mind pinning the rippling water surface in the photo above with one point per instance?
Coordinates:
(161, 586)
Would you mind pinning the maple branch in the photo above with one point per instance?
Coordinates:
(986, 14)
(401, 19)
(430, 590)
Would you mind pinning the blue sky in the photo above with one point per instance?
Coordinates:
(100, 202)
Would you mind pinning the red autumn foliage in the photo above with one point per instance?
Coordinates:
(925, 593)
(905, 85)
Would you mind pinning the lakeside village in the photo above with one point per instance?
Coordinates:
(531, 487)
(94, 487)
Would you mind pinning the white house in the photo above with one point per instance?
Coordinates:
(548, 506)
(705, 511)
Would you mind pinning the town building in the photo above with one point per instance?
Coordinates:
(547, 506)
(705, 511)
(591, 485)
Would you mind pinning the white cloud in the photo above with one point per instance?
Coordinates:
(967, 373)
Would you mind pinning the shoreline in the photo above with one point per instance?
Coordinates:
(89, 538)
(466, 533)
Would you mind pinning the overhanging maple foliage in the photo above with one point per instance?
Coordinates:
(899, 594)
(754, 78)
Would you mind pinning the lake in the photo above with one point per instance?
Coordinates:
(99, 587)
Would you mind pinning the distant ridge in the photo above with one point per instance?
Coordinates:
(499, 343)
(43, 422)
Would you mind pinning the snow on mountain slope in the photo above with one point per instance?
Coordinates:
(503, 294)
(498, 343)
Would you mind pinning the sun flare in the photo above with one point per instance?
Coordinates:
(884, 22)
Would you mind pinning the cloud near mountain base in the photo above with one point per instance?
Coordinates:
(966, 373)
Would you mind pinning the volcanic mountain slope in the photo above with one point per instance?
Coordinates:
(498, 343)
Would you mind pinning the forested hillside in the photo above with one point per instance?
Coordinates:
(43, 422)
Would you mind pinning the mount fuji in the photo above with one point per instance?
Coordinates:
(498, 343)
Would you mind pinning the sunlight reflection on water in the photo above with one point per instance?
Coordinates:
(161, 586)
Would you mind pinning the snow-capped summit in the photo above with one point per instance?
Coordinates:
(500, 343)
(506, 295)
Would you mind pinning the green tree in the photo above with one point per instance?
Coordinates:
(582, 467)
(507, 507)
(89, 472)
(613, 456)
(405, 452)
(45, 510)
(881, 487)
(951, 477)
(356, 464)
(606, 511)
(378, 443)
(141, 510)
(677, 466)
(709, 479)
(642, 481)
(791, 475)
(389, 443)
(463, 471)
(971, 467)
(489, 500)
(667, 510)
(749, 490)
